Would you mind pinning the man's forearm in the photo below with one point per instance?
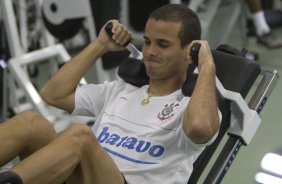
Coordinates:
(201, 117)
(64, 82)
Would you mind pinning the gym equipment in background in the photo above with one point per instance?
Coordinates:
(23, 94)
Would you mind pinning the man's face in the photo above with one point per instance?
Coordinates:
(163, 56)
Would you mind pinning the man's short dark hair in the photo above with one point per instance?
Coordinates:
(191, 27)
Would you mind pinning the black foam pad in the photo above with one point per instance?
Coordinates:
(133, 71)
(235, 72)
(189, 85)
(9, 177)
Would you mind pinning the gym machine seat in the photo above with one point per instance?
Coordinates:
(236, 76)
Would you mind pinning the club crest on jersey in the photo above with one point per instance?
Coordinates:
(167, 112)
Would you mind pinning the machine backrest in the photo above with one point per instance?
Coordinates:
(238, 74)
(235, 72)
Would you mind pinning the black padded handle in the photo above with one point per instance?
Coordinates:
(108, 29)
(195, 52)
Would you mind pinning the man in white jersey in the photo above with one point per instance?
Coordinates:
(148, 134)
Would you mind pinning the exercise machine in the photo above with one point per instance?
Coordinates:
(23, 94)
(240, 117)
(240, 120)
(63, 23)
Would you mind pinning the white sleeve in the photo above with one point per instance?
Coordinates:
(86, 101)
(90, 99)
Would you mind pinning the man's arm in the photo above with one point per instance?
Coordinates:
(201, 119)
(60, 89)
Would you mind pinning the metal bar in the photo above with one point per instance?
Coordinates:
(3, 91)
(23, 27)
(268, 82)
(17, 64)
(224, 161)
(233, 144)
(11, 28)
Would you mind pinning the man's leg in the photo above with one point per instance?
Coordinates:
(24, 134)
(96, 166)
(75, 155)
(263, 32)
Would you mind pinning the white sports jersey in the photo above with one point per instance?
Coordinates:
(146, 142)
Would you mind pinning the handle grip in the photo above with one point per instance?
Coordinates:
(108, 29)
(195, 52)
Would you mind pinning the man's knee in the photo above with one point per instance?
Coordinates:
(81, 131)
(35, 130)
(27, 118)
(26, 115)
(34, 122)
(81, 135)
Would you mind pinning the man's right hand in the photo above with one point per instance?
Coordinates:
(120, 37)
